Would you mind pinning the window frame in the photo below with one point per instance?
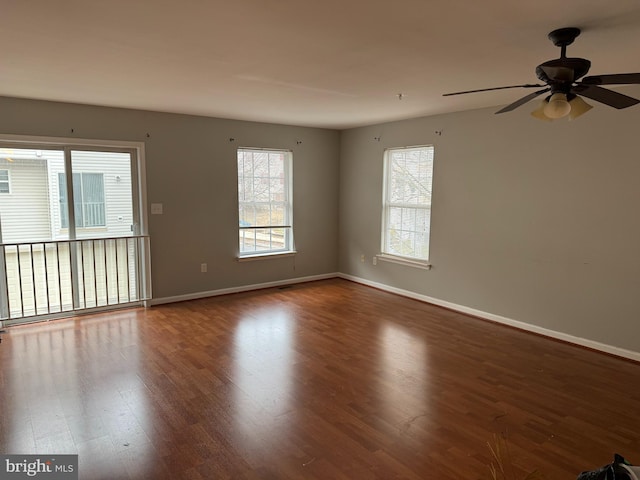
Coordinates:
(7, 181)
(79, 201)
(286, 203)
(387, 204)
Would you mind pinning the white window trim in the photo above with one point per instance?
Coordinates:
(385, 256)
(288, 168)
(410, 262)
(8, 181)
(266, 256)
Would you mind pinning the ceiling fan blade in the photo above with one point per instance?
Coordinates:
(616, 79)
(602, 95)
(522, 101)
(527, 85)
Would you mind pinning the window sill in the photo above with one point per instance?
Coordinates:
(97, 228)
(266, 256)
(425, 265)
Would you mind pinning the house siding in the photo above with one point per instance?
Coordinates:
(24, 212)
(116, 168)
(31, 211)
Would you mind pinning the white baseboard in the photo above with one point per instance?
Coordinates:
(619, 352)
(243, 288)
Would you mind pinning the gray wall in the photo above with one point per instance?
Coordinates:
(532, 221)
(191, 169)
(537, 222)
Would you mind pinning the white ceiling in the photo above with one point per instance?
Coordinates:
(322, 63)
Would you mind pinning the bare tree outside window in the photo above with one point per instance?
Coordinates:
(407, 202)
(264, 201)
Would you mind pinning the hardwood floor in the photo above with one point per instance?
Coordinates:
(325, 380)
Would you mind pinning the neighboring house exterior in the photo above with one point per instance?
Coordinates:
(24, 205)
(33, 205)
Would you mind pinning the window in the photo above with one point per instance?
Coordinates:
(4, 181)
(408, 175)
(264, 202)
(88, 200)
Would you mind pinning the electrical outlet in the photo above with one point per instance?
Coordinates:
(203, 267)
(156, 209)
(374, 260)
(362, 258)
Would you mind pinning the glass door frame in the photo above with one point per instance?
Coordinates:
(136, 151)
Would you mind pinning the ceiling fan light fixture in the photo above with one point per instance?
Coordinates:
(558, 106)
(539, 112)
(578, 107)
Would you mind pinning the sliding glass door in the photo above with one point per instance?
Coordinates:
(70, 230)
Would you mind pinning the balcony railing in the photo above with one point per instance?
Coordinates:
(53, 277)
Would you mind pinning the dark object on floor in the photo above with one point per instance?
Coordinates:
(619, 469)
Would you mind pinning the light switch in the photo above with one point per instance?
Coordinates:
(156, 209)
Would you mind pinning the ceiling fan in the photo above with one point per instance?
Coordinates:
(560, 77)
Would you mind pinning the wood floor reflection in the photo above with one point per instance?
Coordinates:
(325, 380)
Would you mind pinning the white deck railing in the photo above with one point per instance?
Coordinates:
(53, 277)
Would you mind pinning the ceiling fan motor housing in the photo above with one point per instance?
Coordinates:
(562, 71)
